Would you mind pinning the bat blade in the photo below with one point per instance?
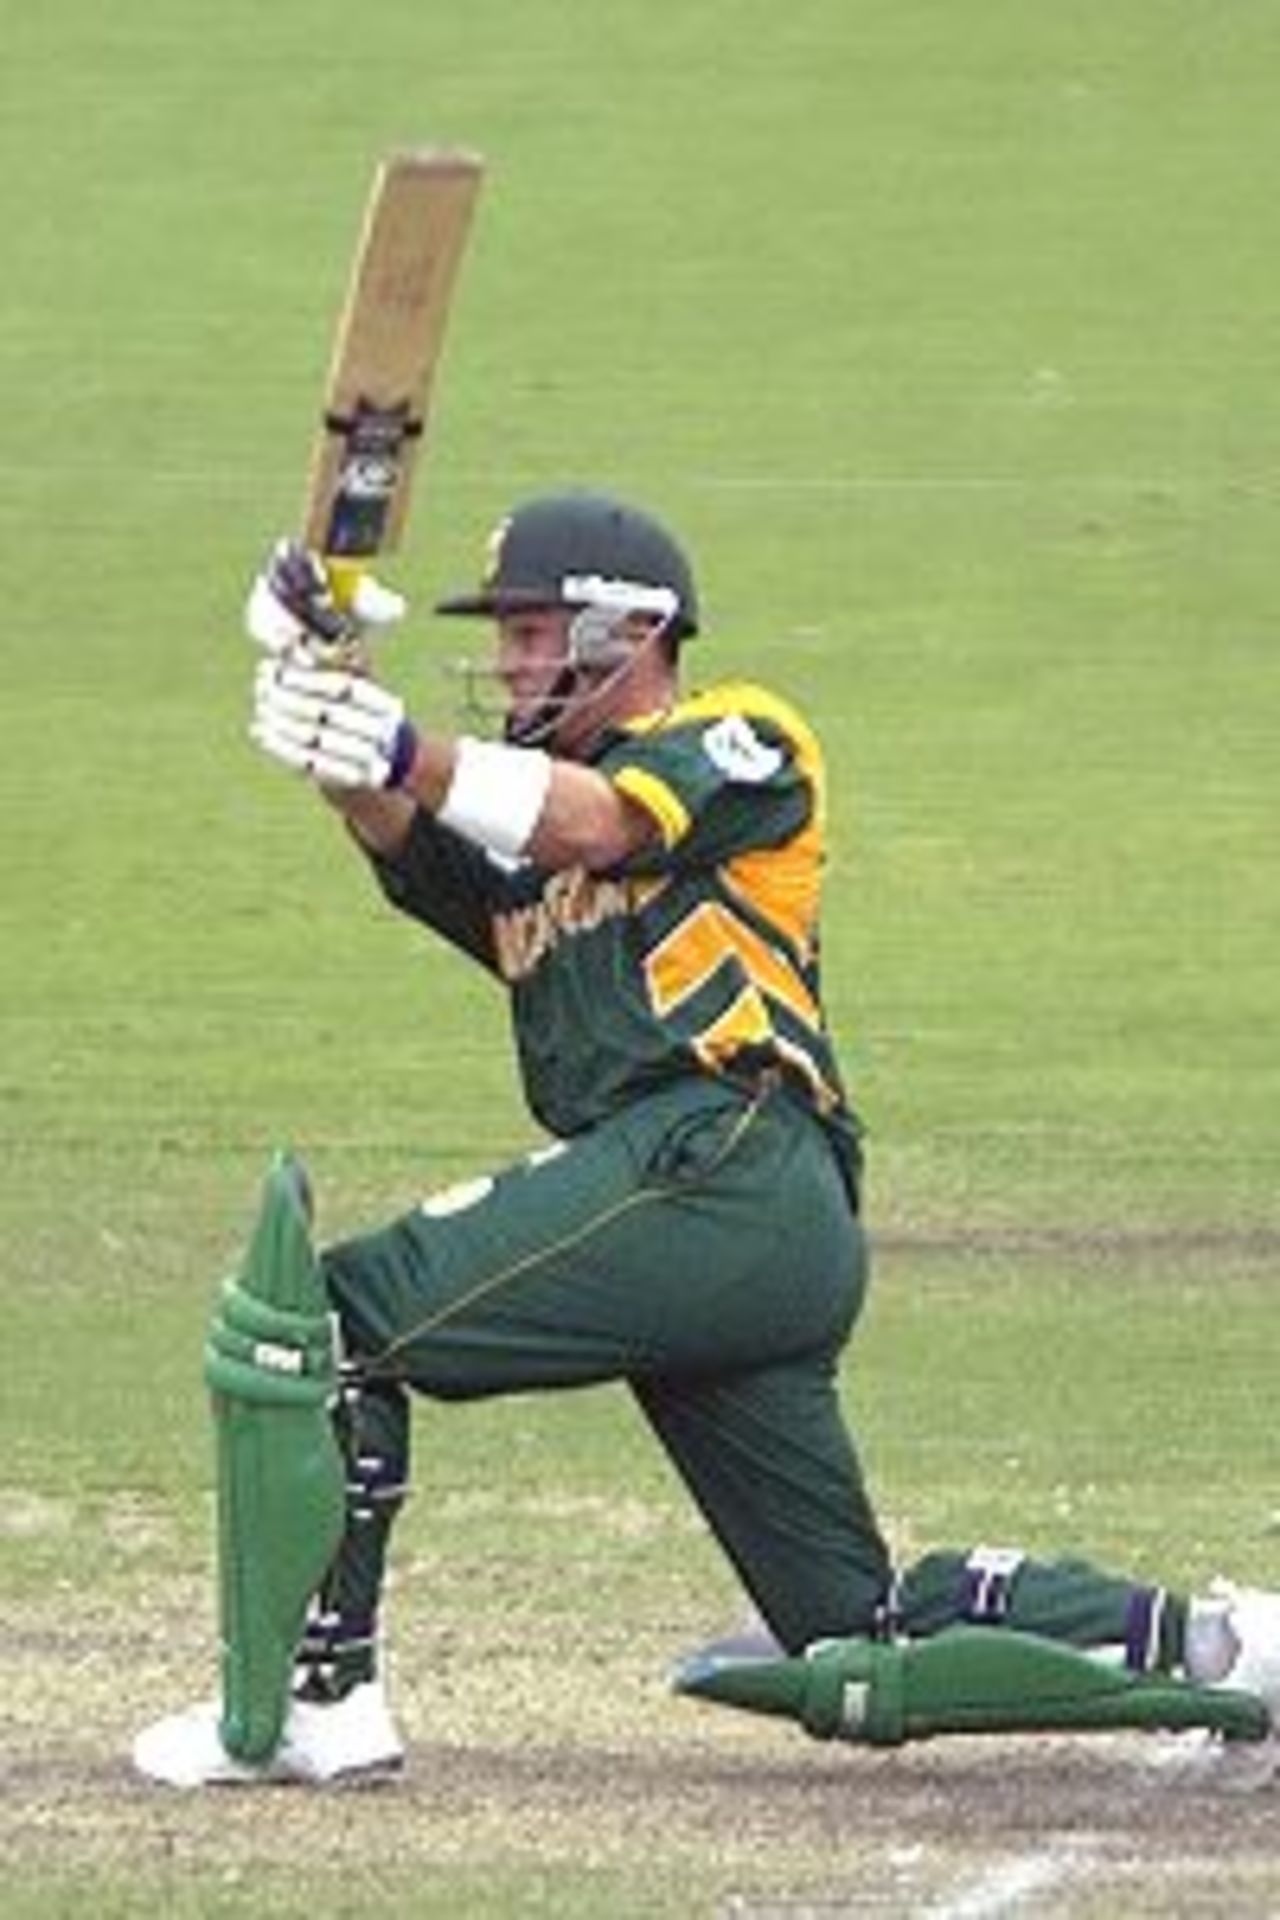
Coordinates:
(386, 349)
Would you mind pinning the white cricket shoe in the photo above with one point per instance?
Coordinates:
(353, 1738)
(1253, 1617)
(1233, 1640)
(1208, 1763)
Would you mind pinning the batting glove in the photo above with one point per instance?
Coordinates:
(341, 728)
(292, 609)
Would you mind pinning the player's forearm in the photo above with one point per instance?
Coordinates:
(585, 821)
(379, 821)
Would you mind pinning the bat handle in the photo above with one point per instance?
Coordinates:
(344, 577)
(362, 608)
(347, 649)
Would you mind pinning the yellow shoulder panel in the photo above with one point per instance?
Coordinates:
(752, 701)
(660, 802)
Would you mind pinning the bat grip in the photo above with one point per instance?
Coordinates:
(344, 578)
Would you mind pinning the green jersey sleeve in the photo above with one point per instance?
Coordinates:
(439, 878)
(723, 773)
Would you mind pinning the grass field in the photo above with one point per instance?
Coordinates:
(945, 332)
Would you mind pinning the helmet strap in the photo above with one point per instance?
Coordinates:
(536, 728)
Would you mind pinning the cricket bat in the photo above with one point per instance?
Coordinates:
(386, 350)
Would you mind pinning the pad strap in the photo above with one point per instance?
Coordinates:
(339, 1645)
(989, 1574)
(1144, 1630)
(329, 1634)
(373, 1482)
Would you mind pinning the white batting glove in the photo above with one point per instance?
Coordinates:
(291, 607)
(341, 728)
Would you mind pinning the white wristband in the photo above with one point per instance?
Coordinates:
(496, 794)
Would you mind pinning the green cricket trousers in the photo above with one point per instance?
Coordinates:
(700, 1245)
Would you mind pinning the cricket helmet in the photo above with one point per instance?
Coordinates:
(579, 550)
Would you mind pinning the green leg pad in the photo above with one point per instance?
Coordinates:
(965, 1680)
(270, 1366)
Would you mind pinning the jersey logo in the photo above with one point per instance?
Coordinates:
(573, 901)
(734, 746)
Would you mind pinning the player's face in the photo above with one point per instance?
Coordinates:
(548, 704)
(532, 649)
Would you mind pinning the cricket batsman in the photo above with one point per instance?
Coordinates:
(640, 867)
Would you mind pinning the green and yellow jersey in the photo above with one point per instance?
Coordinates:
(698, 955)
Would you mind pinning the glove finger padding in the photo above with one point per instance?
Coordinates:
(282, 745)
(296, 608)
(330, 758)
(291, 604)
(270, 624)
(333, 686)
(318, 758)
(364, 720)
(342, 728)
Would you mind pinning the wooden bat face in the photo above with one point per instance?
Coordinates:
(386, 349)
